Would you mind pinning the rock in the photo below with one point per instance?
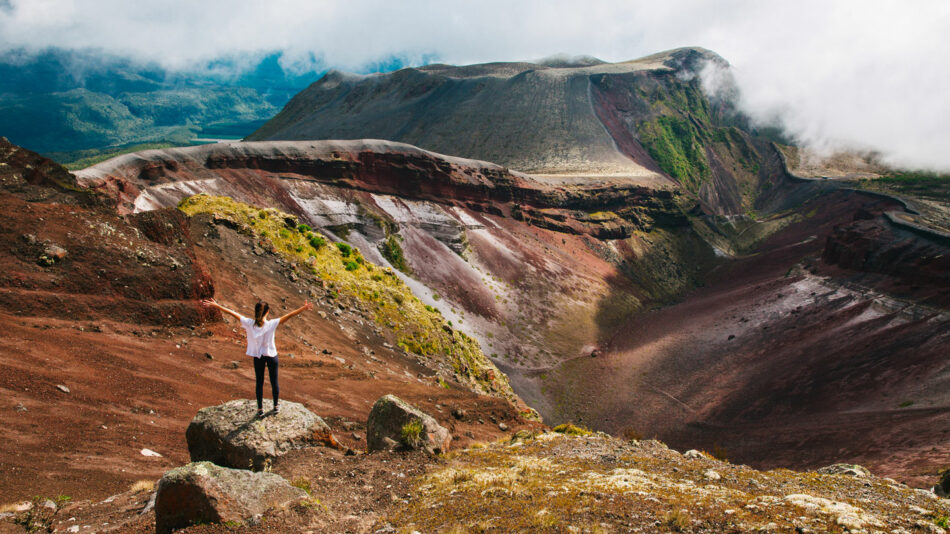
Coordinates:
(942, 489)
(20, 407)
(55, 252)
(357, 436)
(391, 416)
(232, 435)
(209, 356)
(458, 413)
(709, 474)
(202, 492)
(694, 454)
(62, 388)
(503, 427)
(232, 365)
(150, 452)
(844, 469)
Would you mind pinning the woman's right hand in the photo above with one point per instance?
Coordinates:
(209, 303)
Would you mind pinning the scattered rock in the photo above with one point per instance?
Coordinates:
(20, 407)
(62, 388)
(853, 470)
(458, 413)
(232, 365)
(357, 436)
(396, 420)
(150, 452)
(942, 489)
(202, 492)
(232, 435)
(503, 427)
(209, 356)
(709, 474)
(694, 454)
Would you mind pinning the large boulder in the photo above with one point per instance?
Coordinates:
(232, 435)
(394, 423)
(202, 492)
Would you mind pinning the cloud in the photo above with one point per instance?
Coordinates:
(869, 74)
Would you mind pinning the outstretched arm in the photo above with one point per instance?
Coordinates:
(307, 306)
(211, 303)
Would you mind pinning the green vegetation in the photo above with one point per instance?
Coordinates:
(572, 430)
(905, 404)
(392, 251)
(411, 433)
(388, 300)
(302, 483)
(675, 144)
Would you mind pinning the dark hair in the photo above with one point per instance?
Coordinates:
(260, 310)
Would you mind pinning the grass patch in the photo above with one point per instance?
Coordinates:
(411, 434)
(301, 483)
(571, 429)
(142, 485)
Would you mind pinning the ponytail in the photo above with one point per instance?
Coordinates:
(260, 310)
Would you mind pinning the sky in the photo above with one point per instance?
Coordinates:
(866, 75)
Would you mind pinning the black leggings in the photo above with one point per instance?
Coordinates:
(271, 363)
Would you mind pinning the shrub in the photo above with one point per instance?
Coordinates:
(345, 249)
(304, 228)
(411, 433)
(284, 233)
(392, 251)
(317, 242)
(351, 265)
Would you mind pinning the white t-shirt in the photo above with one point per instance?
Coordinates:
(260, 339)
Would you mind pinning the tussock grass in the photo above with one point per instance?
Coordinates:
(142, 485)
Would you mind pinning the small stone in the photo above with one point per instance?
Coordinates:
(49, 504)
(150, 452)
(74, 528)
(357, 436)
(232, 365)
(458, 413)
(20, 407)
(62, 388)
(503, 427)
(209, 356)
(712, 475)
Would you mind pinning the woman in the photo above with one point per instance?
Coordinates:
(260, 344)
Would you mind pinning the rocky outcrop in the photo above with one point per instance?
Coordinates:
(232, 435)
(394, 423)
(202, 492)
(853, 470)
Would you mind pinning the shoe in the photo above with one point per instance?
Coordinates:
(260, 412)
(276, 409)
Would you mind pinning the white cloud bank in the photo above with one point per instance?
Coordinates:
(864, 74)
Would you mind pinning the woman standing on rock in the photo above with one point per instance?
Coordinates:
(260, 344)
